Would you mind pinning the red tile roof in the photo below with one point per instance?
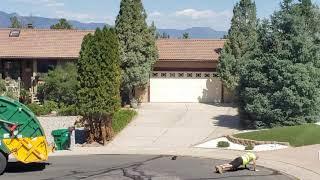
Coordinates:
(66, 44)
(189, 49)
(41, 43)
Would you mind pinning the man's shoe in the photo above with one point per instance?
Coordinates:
(219, 169)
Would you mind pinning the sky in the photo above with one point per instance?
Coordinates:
(173, 14)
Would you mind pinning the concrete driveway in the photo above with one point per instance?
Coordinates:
(176, 125)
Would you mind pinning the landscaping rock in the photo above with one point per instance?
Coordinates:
(56, 122)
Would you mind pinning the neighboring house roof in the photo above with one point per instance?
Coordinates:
(41, 43)
(189, 49)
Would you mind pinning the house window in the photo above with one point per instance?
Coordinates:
(172, 75)
(181, 75)
(189, 75)
(12, 69)
(215, 75)
(45, 65)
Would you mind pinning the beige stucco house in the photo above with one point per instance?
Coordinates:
(185, 71)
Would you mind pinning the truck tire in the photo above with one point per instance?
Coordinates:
(3, 163)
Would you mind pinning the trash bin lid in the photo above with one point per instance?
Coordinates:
(60, 132)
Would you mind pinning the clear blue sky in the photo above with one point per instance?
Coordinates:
(178, 14)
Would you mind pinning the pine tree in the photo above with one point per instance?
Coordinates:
(15, 23)
(62, 24)
(164, 35)
(99, 76)
(185, 35)
(138, 50)
(280, 84)
(241, 40)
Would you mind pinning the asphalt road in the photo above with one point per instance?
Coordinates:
(129, 167)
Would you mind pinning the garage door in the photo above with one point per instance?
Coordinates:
(185, 87)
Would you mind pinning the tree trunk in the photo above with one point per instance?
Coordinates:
(109, 130)
(103, 131)
(91, 130)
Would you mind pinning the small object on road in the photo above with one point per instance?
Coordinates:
(234, 165)
(174, 158)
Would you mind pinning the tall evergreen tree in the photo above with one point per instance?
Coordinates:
(99, 76)
(62, 24)
(15, 23)
(241, 40)
(280, 84)
(138, 50)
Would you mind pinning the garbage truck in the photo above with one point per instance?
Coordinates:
(21, 134)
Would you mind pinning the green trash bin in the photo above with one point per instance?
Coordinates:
(61, 139)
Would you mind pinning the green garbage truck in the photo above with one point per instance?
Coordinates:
(20, 134)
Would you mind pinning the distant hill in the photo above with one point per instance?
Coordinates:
(45, 23)
(195, 33)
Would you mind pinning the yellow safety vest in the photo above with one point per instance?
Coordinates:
(247, 158)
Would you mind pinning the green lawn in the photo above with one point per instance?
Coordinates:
(122, 118)
(296, 135)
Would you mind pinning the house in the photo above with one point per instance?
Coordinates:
(185, 71)
(27, 53)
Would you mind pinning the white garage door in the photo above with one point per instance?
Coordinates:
(185, 87)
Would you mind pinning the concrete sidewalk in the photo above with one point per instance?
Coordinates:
(302, 163)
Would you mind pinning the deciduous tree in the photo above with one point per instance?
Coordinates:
(62, 24)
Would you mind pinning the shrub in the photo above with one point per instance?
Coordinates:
(223, 144)
(44, 109)
(2, 87)
(24, 96)
(36, 109)
(68, 110)
(121, 119)
(50, 106)
(249, 147)
(60, 85)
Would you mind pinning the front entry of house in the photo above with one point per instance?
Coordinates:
(17, 69)
(181, 87)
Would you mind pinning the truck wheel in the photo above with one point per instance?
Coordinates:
(3, 163)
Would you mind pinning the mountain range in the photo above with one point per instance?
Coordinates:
(45, 23)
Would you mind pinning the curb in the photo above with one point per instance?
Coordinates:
(246, 142)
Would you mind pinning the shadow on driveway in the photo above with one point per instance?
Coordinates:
(228, 121)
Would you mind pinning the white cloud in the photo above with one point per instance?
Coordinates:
(56, 4)
(48, 3)
(194, 14)
(186, 18)
(155, 14)
(201, 14)
(83, 17)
